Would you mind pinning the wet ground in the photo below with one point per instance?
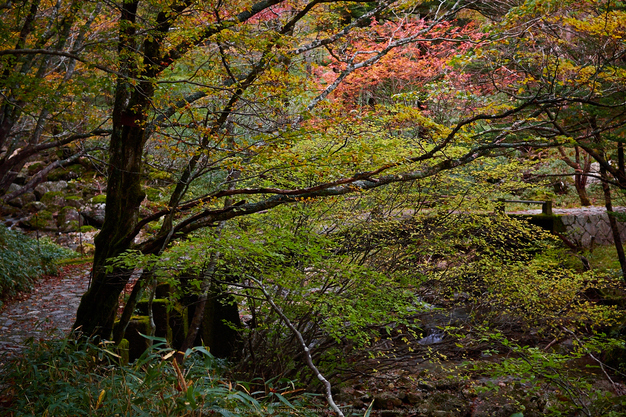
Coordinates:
(45, 313)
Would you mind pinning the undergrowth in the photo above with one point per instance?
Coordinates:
(74, 378)
(23, 259)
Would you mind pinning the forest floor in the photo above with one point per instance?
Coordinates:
(47, 312)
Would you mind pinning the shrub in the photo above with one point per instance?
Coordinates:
(73, 378)
(23, 259)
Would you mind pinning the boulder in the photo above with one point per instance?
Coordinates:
(48, 186)
(74, 201)
(34, 206)
(71, 172)
(68, 219)
(42, 220)
(53, 199)
(93, 214)
(21, 200)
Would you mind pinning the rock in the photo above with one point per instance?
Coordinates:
(71, 172)
(53, 199)
(74, 201)
(34, 206)
(93, 214)
(48, 186)
(43, 220)
(426, 386)
(386, 400)
(21, 200)
(68, 219)
(414, 398)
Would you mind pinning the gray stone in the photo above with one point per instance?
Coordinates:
(35, 206)
(426, 386)
(93, 214)
(53, 199)
(48, 186)
(386, 400)
(414, 397)
(21, 200)
(74, 201)
(68, 219)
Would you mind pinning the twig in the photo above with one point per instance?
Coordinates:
(617, 389)
(305, 348)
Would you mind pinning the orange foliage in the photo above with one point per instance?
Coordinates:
(403, 69)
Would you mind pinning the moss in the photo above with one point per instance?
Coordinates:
(138, 344)
(160, 176)
(52, 197)
(43, 215)
(123, 351)
(36, 167)
(100, 198)
(75, 261)
(87, 229)
(154, 194)
(71, 172)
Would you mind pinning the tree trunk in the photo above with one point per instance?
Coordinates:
(581, 172)
(96, 313)
(580, 182)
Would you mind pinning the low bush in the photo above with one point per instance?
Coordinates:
(74, 378)
(23, 259)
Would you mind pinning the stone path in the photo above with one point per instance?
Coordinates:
(45, 313)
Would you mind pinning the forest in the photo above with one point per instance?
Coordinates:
(318, 207)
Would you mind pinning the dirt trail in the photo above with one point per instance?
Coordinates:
(45, 313)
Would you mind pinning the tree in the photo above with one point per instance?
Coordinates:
(567, 61)
(226, 88)
(53, 96)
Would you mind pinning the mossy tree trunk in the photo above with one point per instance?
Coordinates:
(96, 313)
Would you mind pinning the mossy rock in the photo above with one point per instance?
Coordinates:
(161, 176)
(71, 172)
(44, 215)
(160, 314)
(68, 219)
(74, 201)
(138, 344)
(34, 206)
(43, 220)
(86, 249)
(153, 194)
(35, 167)
(7, 210)
(99, 199)
(123, 351)
(153, 227)
(53, 198)
(87, 229)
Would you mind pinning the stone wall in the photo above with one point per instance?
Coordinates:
(590, 226)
